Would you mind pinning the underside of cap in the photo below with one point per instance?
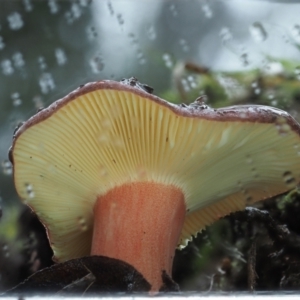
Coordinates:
(109, 134)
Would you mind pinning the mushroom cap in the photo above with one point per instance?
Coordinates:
(107, 133)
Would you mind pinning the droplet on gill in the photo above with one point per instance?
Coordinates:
(249, 159)
(282, 126)
(254, 172)
(103, 171)
(82, 224)
(289, 180)
(118, 143)
(29, 190)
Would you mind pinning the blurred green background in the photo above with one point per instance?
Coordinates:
(231, 51)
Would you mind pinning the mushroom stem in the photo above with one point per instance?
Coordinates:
(140, 223)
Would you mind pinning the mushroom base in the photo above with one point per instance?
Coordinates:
(140, 223)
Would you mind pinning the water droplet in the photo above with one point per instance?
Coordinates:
(258, 32)
(133, 39)
(244, 59)
(254, 84)
(118, 143)
(42, 62)
(103, 139)
(185, 85)
(91, 32)
(184, 45)
(254, 172)
(207, 11)
(54, 8)
(7, 167)
(29, 190)
(251, 110)
(249, 159)
(249, 199)
(82, 224)
(257, 91)
(110, 7)
(225, 35)
(16, 99)
(5, 250)
(46, 83)
(2, 44)
(173, 10)
(76, 11)
(7, 68)
(61, 57)
(151, 33)
(27, 5)
(84, 3)
(296, 32)
(97, 64)
(282, 126)
(105, 123)
(15, 21)
(271, 98)
(297, 72)
(69, 17)
(274, 103)
(120, 19)
(289, 180)
(141, 173)
(167, 59)
(103, 171)
(273, 68)
(18, 60)
(38, 102)
(141, 58)
(52, 169)
(192, 81)
(247, 196)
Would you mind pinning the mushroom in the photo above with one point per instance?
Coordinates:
(113, 170)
